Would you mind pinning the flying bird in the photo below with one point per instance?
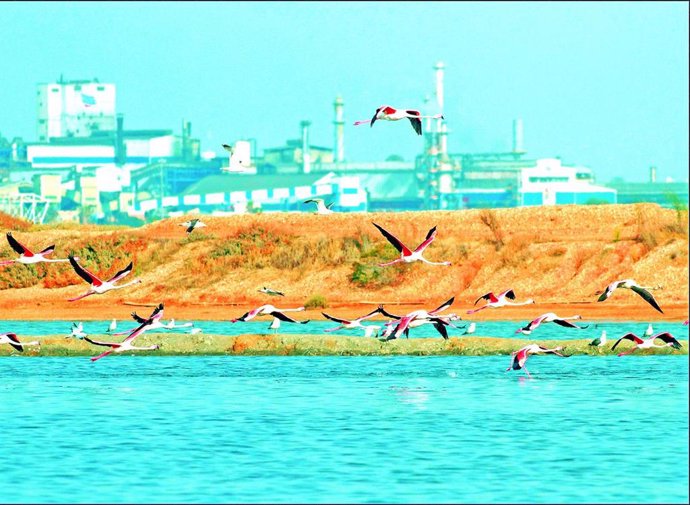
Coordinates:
(271, 292)
(406, 255)
(519, 357)
(643, 291)
(470, 329)
(99, 286)
(27, 256)
(13, 340)
(402, 324)
(550, 317)
(388, 113)
(228, 148)
(499, 300)
(77, 331)
(321, 207)
(350, 324)
(668, 339)
(192, 225)
(270, 310)
(128, 343)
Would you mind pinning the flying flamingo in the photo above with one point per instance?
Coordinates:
(28, 257)
(98, 286)
(321, 207)
(500, 300)
(270, 310)
(550, 317)
(643, 291)
(519, 357)
(405, 254)
(11, 338)
(350, 324)
(192, 225)
(128, 343)
(388, 113)
(666, 337)
(418, 318)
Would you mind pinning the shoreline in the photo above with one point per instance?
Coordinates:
(104, 309)
(321, 345)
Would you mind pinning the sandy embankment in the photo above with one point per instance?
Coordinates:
(559, 256)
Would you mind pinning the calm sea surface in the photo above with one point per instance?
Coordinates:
(503, 329)
(344, 429)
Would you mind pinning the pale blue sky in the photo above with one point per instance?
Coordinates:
(599, 84)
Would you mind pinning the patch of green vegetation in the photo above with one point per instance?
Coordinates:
(316, 302)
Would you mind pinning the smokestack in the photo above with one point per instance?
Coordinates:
(120, 154)
(339, 148)
(518, 141)
(306, 161)
(439, 85)
(652, 174)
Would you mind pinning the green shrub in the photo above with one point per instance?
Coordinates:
(316, 302)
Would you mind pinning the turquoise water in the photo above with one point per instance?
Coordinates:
(503, 329)
(344, 430)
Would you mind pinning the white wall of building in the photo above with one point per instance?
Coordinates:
(74, 109)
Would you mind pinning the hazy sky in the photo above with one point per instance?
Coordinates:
(604, 85)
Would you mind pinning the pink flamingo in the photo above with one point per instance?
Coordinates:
(13, 340)
(666, 337)
(128, 343)
(406, 255)
(550, 317)
(643, 291)
(270, 310)
(418, 318)
(350, 324)
(388, 113)
(500, 300)
(98, 286)
(519, 357)
(28, 257)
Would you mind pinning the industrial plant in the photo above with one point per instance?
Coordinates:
(85, 166)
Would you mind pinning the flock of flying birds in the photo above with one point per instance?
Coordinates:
(397, 324)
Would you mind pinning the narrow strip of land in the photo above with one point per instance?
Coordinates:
(318, 345)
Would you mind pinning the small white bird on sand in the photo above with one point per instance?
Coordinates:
(599, 341)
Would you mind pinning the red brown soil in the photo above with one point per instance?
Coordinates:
(560, 256)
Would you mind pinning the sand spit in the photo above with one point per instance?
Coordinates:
(317, 345)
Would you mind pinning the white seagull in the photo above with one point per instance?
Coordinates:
(271, 292)
(321, 207)
(192, 225)
(77, 331)
(599, 341)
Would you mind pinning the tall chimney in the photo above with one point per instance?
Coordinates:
(439, 85)
(120, 154)
(306, 161)
(339, 123)
(652, 174)
(518, 141)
